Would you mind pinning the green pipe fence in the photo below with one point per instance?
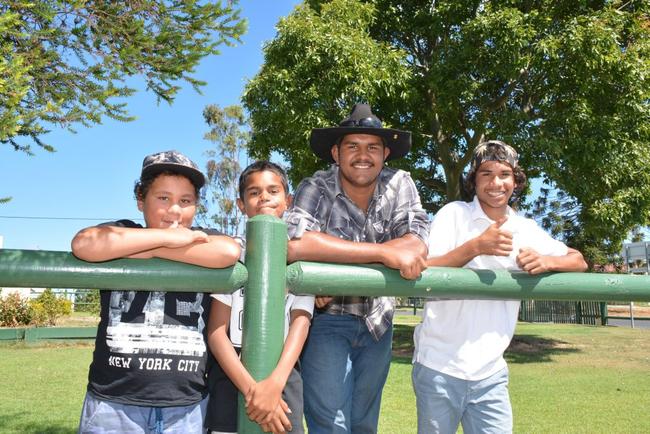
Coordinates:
(264, 300)
(266, 275)
(441, 282)
(48, 269)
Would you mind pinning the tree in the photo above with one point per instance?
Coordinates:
(229, 132)
(637, 235)
(559, 214)
(567, 83)
(64, 63)
(335, 67)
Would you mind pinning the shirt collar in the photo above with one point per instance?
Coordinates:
(479, 214)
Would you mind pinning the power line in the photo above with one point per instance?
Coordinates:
(63, 218)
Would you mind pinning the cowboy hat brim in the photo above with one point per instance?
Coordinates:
(322, 140)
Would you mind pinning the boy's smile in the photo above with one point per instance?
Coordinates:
(169, 203)
(264, 194)
(360, 158)
(495, 183)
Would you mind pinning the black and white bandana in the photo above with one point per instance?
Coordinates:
(494, 150)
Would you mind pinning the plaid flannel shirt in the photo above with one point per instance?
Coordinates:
(321, 205)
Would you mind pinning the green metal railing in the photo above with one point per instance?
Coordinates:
(442, 282)
(266, 276)
(48, 269)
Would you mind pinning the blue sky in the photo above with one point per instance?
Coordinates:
(91, 175)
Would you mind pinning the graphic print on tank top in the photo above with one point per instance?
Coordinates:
(148, 332)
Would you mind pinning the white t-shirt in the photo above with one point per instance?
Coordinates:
(466, 338)
(236, 303)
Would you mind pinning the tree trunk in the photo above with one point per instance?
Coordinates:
(454, 177)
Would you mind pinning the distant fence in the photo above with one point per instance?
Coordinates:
(553, 311)
(266, 277)
(563, 312)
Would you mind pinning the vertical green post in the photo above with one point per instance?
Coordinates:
(603, 313)
(264, 298)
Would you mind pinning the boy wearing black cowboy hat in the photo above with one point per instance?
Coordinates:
(359, 212)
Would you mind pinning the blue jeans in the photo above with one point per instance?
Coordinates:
(444, 401)
(103, 417)
(344, 370)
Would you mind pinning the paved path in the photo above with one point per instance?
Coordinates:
(644, 324)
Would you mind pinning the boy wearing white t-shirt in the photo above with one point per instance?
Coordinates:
(275, 403)
(459, 373)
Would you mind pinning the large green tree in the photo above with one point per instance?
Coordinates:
(65, 62)
(567, 82)
(229, 134)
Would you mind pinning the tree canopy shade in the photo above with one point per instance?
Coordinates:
(566, 82)
(65, 62)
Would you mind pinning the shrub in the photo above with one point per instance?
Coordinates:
(87, 300)
(15, 311)
(47, 308)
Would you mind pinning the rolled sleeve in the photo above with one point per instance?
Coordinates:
(303, 302)
(224, 298)
(408, 216)
(303, 214)
(300, 221)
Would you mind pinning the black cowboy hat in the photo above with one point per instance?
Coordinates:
(360, 121)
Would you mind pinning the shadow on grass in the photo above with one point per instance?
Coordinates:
(523, 348)
(8, 424)
(403, 341)
(400, 360)
(536, 349)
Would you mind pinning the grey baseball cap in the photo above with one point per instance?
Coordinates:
(172, 161)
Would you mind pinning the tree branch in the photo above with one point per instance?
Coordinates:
(507, 92)
(435, 184)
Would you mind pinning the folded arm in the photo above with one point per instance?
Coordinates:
(405, 254)
(103, 243)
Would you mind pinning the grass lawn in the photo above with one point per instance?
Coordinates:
(589, 379)
(42, 387)
(564, 379)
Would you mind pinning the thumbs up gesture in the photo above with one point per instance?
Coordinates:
(495, 240)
